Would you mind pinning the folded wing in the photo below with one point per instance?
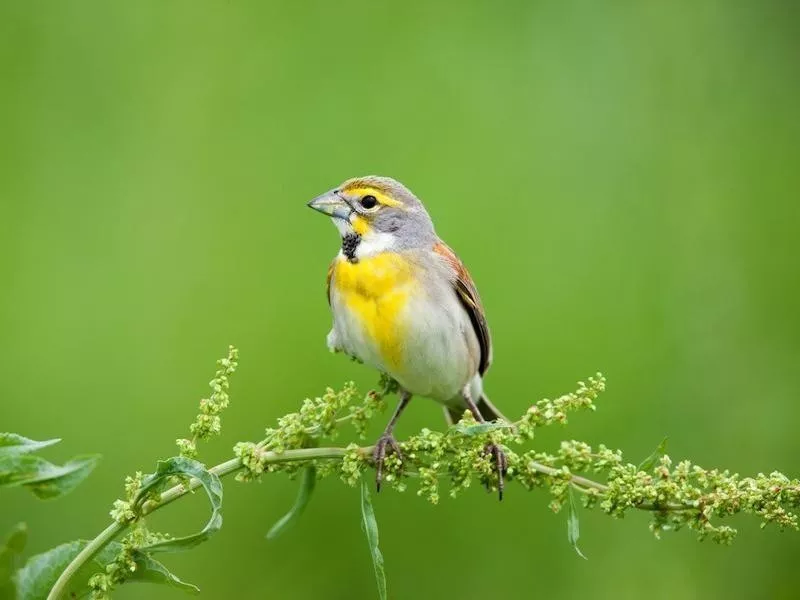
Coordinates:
(467, 293)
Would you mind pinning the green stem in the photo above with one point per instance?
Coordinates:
(268, 457)
(84, 556)
(583, 485)
(573, 479)
(172, 494)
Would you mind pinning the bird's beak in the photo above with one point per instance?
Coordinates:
(331, 204)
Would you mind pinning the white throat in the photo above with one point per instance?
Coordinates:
(368, 245)
(374, 243)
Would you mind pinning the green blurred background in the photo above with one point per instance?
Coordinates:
(622, 179)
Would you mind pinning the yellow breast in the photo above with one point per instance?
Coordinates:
(376, 290)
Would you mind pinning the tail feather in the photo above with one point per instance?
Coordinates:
(488, 411)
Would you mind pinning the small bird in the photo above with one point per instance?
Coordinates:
(404, 303)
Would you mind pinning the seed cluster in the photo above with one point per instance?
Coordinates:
(678, 495)
(208, 423)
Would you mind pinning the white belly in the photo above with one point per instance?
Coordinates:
(438, 351)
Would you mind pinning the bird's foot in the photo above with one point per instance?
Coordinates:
(500, 465)
(384, 443)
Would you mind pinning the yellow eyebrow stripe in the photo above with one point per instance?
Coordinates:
(380, 196)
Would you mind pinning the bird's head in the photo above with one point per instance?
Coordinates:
(374, 214)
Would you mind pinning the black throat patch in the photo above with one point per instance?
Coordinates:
(349, 244)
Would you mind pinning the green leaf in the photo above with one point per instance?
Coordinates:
(161, 479)
(35, 580)
(18, 466)
(303, 497)
(148, 569)
(648, 463)
(480, 428)
(573, 526)
(152, 571)
(371, 531)
(10, 550)
(12, 443)
(40, 573)
(17, 469)
(58, 481)
(42, 477)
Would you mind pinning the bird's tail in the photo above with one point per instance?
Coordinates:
(488, 411)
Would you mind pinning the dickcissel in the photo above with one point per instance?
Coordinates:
(404, 303)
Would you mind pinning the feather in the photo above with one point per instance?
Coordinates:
(467, 294)
(328, 280)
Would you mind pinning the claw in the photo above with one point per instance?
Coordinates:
(379, 456)
(500, 463)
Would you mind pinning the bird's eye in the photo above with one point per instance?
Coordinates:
(369, 202)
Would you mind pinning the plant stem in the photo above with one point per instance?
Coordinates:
(175, 492)
(268, 457)
(84, 556)
(234, 464)
(574, 479)
(583, 485)
(172, 494)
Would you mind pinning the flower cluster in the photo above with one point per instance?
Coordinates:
(678, 495)
(317, 418)
(126, 561)
(123, 510)
(547, 412)
(683, 495)
(686, 495)
(459, 455)
(207, 423)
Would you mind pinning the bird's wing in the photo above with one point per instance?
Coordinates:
(467, 293)
(328, 279)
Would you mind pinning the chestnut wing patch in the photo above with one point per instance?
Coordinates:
(467, 294)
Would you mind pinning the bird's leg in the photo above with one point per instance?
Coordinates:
(492, 449)
(387, 439)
